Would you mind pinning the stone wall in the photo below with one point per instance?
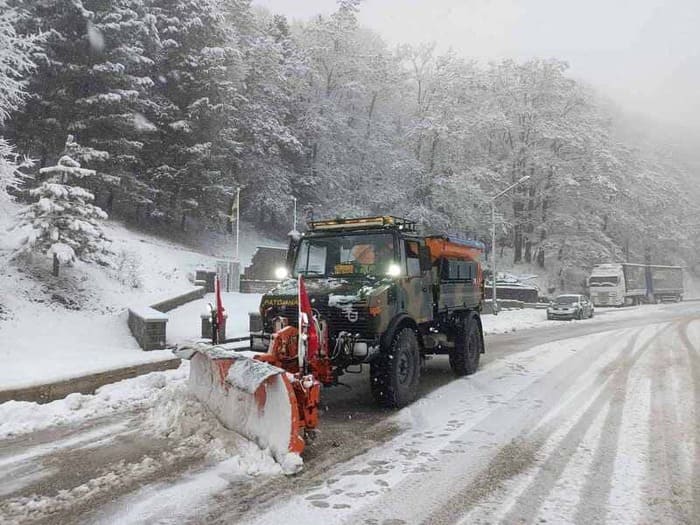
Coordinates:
(179, 300)
(147, 325)
(207, 277)
(248, 286)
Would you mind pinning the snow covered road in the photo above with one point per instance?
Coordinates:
(577, 423)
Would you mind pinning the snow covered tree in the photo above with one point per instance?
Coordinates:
(15, 64)
(266, 124)
(64, 223)
(92, 81)
(198, 69)
(180, 102)
(111, 113)
(352, 124)
(15, 59)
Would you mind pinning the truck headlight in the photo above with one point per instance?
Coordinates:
(394, 270)
(281, 273)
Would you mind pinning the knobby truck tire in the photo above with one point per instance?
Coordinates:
(395, 374)
(464, 357)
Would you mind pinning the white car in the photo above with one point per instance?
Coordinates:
(570, 306)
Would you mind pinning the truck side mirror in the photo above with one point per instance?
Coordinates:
(425, 262)
(294, 243)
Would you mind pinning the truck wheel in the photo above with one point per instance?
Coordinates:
(395, 374)
(464, 357)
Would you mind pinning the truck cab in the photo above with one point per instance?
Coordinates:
(607, 285)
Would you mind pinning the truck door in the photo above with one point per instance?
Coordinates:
(418, 285)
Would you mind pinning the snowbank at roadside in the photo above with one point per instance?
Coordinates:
(56, 345)
(156, 406)
(21, 417)
(169, 411)
(516, 320)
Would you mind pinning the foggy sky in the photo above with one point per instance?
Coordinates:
(644, 54)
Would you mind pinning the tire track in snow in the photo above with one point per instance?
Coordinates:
(562, 503)
(693, 354)
(489, 497)
(531, 428)
(23, 469)
(665, 485)
(488, 429)
(572, 386)
(530, 501)
(595, 496)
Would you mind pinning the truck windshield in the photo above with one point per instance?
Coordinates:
(346, 255)
(603, 280)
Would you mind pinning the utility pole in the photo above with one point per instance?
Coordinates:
(295, 213)
(493, 257)
(494, 303)
(238, 222)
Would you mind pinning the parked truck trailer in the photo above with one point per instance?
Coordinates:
(618, 284)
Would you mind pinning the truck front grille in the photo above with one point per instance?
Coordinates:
(354, 319)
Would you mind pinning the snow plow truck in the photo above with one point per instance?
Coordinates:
(365, 291)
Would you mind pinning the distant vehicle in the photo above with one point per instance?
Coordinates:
(629, 284)
(511, 288)
(570, 306)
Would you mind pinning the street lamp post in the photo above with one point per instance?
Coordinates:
(494, 304)
(238, 222)
(295, 213)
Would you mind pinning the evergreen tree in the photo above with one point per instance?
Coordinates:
(16, 63)
(198, 70)
(64, 223)
(92, 81)
(267, 121)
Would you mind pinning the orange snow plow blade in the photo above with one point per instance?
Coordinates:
(253, 398)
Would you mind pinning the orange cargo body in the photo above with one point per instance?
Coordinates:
(442, 247)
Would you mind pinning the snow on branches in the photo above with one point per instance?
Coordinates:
(15, 64)
(63, 221)
(15, 60)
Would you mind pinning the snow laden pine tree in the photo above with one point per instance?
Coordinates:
(64, 222)
(15, 65)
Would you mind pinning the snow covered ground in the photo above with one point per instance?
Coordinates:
(514, 320)
(21, 417)
(185, 323)
(167, 416)
(560, 431)
(589, 429)
(53, 329)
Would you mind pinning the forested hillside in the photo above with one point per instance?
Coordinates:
(176, 104)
